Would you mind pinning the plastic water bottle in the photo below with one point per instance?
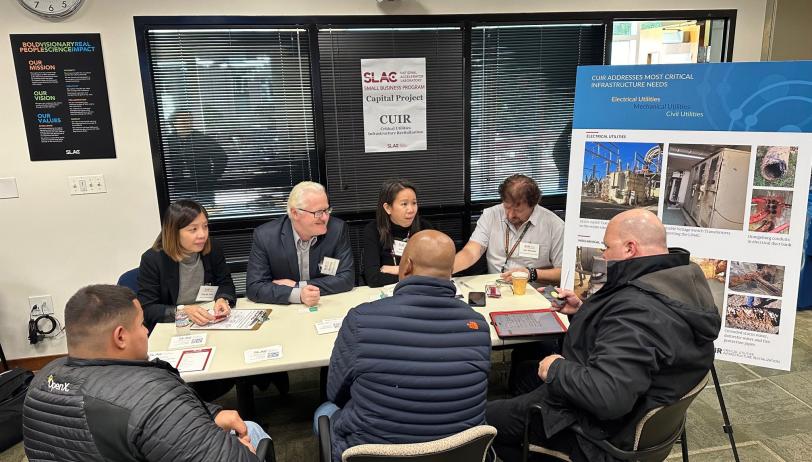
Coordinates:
(183, 325)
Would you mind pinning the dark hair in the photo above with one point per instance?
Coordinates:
(94, 307)
(520, 188)
(178, 216)
(389, 190)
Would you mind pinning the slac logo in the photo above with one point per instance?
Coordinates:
(53, 385)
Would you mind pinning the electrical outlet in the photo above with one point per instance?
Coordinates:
(87, 184)
(40, 304)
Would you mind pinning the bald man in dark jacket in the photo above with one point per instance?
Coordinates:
(642, 341)
(412, 367)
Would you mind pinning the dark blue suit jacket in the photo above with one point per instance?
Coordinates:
(273, 256)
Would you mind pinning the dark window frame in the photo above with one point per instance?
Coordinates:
(312, 23)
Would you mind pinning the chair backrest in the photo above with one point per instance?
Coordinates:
(470, 445)
(130, 280)
(665, 422)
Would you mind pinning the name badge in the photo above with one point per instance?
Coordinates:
(528, 250)
(206, 293)
(398, 247)
(329, 266)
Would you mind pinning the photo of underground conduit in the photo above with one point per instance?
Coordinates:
(770, 211)
(775, 163)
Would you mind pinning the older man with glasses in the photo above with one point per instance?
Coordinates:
(302, 255)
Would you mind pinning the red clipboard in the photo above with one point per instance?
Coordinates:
(527, 323)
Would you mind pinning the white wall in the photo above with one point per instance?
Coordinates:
(54, 243)
(791, 34)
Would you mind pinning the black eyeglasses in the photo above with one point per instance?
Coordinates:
(318, 213)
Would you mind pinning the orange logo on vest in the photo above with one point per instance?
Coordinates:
(473, 325)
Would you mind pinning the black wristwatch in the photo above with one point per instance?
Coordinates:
(532, 274)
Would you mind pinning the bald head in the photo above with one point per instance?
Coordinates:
(428, 253)
(634, 233)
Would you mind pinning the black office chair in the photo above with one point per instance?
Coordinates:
(655, 433)
(470, 446)
(265, 450)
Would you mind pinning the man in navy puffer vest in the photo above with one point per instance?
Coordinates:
(412, 367)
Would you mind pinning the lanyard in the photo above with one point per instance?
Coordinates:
(519, 241)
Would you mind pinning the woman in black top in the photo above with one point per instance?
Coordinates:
(182, 259)
(384, 239)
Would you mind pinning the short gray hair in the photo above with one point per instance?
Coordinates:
(296, 197)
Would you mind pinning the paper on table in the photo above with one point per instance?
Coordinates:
(171, 357)
(385, 292)
(182, 361)
(327, 326)
(195, 360)
(238, 320)
(187, 341)
(263, 354)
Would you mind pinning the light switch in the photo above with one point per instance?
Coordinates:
(87, 184)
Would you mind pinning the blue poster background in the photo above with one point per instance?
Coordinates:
(743, 97)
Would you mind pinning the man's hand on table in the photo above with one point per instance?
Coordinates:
(310, 295)
(507, 275)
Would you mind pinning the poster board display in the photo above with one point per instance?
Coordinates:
(63, 91)
(722, 154)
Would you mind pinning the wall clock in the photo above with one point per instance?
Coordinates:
(52, 9)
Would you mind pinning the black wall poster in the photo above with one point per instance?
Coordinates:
(63, 91)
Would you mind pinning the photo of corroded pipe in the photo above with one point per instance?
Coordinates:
(756, 278)
(775, 162)
(775, 166)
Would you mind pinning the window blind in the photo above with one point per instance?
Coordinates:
(353, 176)
(235, 116)
(522, 95)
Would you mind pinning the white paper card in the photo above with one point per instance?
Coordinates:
(263, 354)
(187, 341)
(528, 250)
(398, 247)
(237, 320)
(171, 357)
(188, 360)
(194, 360)
(206, 293)
(328, 326)
(329, 266)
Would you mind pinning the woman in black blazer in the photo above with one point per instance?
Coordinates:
(182, 259)
(396, 219)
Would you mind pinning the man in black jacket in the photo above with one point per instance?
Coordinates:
(105, 401)
(642, 341)
(303, 255)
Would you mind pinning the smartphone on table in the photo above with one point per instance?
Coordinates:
(476, 298)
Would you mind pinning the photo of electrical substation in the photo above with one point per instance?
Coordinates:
(618, 177)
